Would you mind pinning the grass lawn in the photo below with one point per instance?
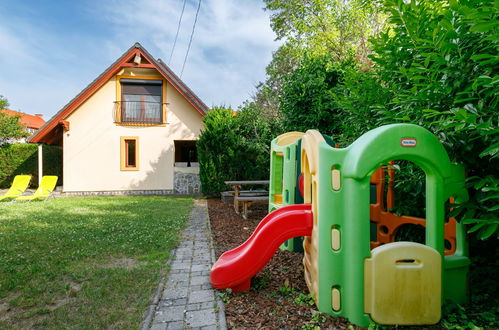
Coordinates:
(84, 263)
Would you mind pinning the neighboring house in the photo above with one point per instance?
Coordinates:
(132, 130)
(30, 123)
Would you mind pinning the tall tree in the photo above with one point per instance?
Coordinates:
(334, 29)
(3, 102)
(284, 61)
(327, 27)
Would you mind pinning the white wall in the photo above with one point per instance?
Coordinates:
(92, 145)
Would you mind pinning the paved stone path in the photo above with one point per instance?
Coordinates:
(185, 300)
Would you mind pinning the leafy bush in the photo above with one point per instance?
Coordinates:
(234, 146)
(440, 63)
(307, 100)
(362, 100)
(22, 158)
(213, 151)
(436, 67)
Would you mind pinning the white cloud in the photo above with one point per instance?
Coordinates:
(29, 74)
(232, 43)
(43, 65)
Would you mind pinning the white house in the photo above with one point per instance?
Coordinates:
(132, 130)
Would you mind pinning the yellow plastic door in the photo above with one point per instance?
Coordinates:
(403, 284)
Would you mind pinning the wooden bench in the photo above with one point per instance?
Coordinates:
(227, 196)
(249, 195)
(248, 200)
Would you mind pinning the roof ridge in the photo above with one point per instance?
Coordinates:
(81, 92)
(52, 124)
(179, 81)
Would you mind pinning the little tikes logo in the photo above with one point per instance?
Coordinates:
(408, 142)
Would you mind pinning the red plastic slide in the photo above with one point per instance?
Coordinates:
(235, 268)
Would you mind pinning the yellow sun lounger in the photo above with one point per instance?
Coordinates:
(18, 187)
(45, 190)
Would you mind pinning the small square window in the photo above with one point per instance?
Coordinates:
(185, 152)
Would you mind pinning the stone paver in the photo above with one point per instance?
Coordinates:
(201, 296)
(201, 318)
(185, 298)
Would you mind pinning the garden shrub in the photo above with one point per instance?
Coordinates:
(215, 151)
(22, 158)
(334, 98)
(234, 146)
(437, 66)
(307, 100)
(439, 61)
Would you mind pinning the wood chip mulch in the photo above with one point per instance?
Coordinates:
(279, 297)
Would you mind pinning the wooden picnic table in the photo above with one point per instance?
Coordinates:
(247, 196)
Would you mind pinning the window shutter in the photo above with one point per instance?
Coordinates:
(140, 89)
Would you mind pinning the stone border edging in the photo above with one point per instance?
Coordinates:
(220, 304)
(147, 320)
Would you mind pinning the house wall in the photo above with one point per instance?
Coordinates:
(92, 145)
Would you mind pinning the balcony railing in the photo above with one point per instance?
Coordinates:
(139, 112)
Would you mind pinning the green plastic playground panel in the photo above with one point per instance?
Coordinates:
(347, 210)
(283, 181)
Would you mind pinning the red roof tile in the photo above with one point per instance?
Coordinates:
(30, 121)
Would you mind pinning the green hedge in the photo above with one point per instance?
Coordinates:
(234, 147)
(22, 158)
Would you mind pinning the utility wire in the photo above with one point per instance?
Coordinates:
(178, 29)
(190, 41)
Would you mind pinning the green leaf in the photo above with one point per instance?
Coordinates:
(488, 232)
(484, 27)
(455, 212)
(492, 151)
(486, 189)
(476, 227)
(446, 24)
(465, 100)
(482, 221)
(493, 208)
(493, 37)
(491, 196)
(482, 56)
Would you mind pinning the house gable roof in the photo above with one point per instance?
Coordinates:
(29, 121)
(51, 132)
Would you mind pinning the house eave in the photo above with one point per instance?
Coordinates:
(51, 132)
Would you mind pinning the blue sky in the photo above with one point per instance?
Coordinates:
(50, 50)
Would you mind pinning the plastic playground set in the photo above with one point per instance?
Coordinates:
(334, 205)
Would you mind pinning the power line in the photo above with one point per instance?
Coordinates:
(178, 29)
(190, 41)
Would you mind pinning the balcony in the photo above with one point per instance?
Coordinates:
(141, 113)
